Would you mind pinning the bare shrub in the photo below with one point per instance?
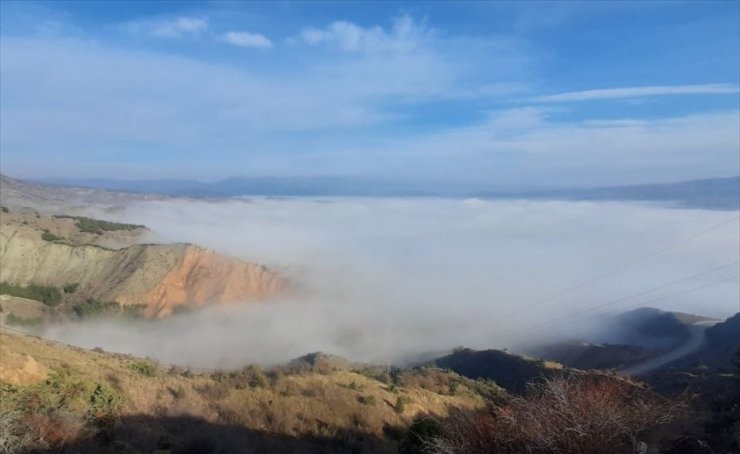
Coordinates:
(54, 429)
(14, 436)
(562, 415)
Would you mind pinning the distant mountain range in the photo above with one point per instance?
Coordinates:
(713, 193)
(257, 186)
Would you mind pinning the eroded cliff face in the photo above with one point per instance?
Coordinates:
(159, 276)
(204, 277)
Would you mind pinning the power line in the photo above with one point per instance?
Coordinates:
(644, 292)
(701, 287)
(642, 303)
(621, 267)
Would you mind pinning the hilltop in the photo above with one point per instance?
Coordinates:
(52, 199)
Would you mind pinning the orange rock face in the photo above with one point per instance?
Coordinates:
(204, 277)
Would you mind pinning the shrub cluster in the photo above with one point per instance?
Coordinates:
(90, 225)
(38, 418)
(16, 320)
(145, 368)
(93, 308)
(51, 296)
(366, 400)
(48, 236)
(248, 377)
(401, 403)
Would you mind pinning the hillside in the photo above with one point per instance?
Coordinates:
(104, 265)
(61, 199)
(511, 372)
(626, 339)
(587, 356)
(55, 397)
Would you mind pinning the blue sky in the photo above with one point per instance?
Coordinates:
(484, 94)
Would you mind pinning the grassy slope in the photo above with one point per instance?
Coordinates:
(338, 409)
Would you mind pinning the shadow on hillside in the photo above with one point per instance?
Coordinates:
(192, 435)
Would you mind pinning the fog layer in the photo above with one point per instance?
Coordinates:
(388, 280)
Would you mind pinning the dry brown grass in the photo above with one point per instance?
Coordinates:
(301, 404)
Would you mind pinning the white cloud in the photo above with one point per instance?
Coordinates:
(246, 39)
(174, 28)
(107, 109)
(404, 35)
(526, 146)
(102, 100)
(388, 279)
(636, 92)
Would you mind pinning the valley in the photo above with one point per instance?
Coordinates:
(71, 280)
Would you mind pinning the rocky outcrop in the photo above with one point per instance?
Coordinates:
(159, 276)
(202, 277)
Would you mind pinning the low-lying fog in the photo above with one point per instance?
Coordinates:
(393, 279)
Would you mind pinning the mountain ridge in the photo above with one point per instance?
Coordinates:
(721, 193)
(34, 250)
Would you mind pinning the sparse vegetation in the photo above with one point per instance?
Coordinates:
(71, 288)
(4, 209)
(41, 416)
(17, 320)
(366, 400)
(144, 368)
(376, 373)
(105, 403)
(97, 226)
(401, 402)
(93, 308)
(48, 236)
(248, 377)
(51, 296)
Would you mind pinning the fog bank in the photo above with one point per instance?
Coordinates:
(389, 279)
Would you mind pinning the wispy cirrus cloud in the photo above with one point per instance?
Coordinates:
(246, 39)
(170, 28)
(638, 92)
(400, 98)
(405, 34)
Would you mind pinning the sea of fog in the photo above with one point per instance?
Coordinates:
(391, 280)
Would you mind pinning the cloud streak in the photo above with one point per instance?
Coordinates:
(247, 39)
(639, 92)
(404, 35)
(170, 28)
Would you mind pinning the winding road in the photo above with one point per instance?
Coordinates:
(697, 331)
